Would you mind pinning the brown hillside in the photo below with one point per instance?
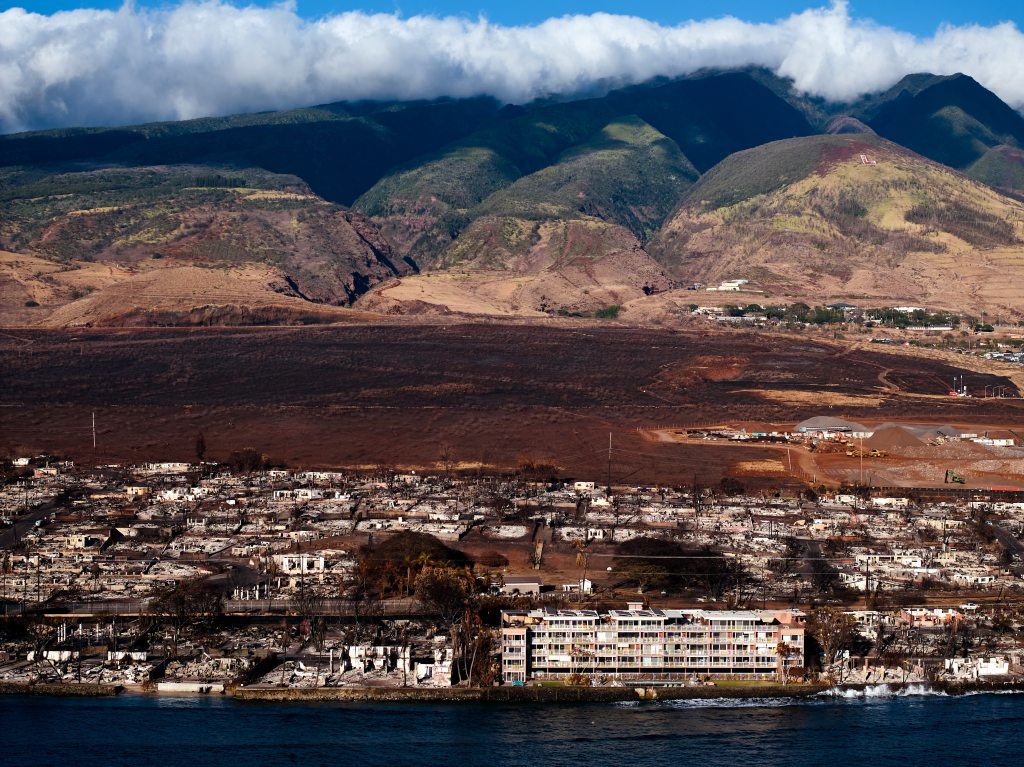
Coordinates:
(849, 215)
(510, 266)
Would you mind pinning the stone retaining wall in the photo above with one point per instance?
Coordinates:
(60, 689)
(521, 694)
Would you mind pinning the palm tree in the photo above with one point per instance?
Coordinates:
(419, 562)
(783, 650)
(6, 570)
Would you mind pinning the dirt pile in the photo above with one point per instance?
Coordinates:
(891, 438)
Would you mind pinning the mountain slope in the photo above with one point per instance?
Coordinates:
(136, 220)
(1001, 167)
(424, 207)
(952, 120)
(339, 150)
(713, 115)
(628, 173)
(568, 236)
(566, 205)
(850, 215)
(514, 266)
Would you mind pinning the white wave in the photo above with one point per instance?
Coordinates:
(735, 702)
(870, 693)
(883, 691)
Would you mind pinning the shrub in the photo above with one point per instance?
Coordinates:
(492, 559)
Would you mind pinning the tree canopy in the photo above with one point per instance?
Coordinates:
(654, 562)
(443, 592)
(403, 547)
(392, 564)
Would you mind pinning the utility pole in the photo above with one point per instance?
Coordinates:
(862, 461)
(608, 487)
(93, 429)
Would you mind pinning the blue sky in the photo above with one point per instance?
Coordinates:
(918, 18)
(176, 59)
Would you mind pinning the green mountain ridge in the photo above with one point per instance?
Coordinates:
(578, 191)
(952, 120)
(628, 173)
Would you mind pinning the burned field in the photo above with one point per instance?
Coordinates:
(465, 394)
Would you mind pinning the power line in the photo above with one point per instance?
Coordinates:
(718, 556)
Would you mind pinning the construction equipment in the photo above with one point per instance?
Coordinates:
(953, 477)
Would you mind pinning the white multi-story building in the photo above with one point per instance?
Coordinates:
(650, 644)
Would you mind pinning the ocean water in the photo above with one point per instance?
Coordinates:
(836, 730)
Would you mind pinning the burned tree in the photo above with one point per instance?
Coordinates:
(443, 592)
(833, 630)
(188, 606)
(654, 562)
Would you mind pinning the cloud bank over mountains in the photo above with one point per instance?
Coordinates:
(94, 67)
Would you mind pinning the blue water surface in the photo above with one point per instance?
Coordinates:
(195, 731)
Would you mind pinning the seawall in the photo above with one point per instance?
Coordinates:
(514, 695)
(60, 689)
(521, 694)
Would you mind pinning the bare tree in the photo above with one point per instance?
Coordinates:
(473, 645)
(189, 605)
(833, 630)
(307, 602)
(443, 592)
(446, 458)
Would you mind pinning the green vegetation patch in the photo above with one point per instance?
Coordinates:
(608, 312)
(1001, 167)
(628, 173)
(759, 171)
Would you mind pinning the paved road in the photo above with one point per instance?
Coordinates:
(14, 533)
(1007, 540)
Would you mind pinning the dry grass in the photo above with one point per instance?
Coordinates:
(815, 398)
(543, 277)
(843, 233)
(247, 291)
(25, 278)
(762, 468)
(488, 294)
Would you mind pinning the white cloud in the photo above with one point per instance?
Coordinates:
(92, 67)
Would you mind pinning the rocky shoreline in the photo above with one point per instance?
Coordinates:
(603, 694)
(554, 694)
(520, 694)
